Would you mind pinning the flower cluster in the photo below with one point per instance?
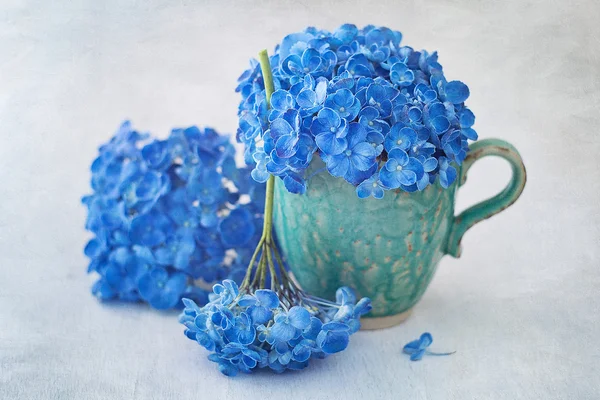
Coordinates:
(244, 331)
(380, 115)
(168, 215)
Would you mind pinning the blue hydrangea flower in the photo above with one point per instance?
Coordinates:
(466, 118)
(310, 99)
(425, 94)
(380, 97)
(288, 325)
(149, 229)
(310, 62)
(456, 92)
(401, 75)
(436, 117)
(344, 103)
(369, 118)
(176, 251)
(334, 337)
(240, 356)
(281, 101)
(452, 146)
(284, 132)
(429, 166)
(346, 33)
(165, 213)
(377, 53)
(161, 289)
(260, 305)
(371, 187)
(242, 331)
(418, 348)
(400, 138)
(358, 157)
(400, 169)
(421, 147)
(330, 80)
(447, 172)
(250, 330)
(123, 270)
(330, 132)
(237, 228)
(358, 65)
(226, 292)
(260, 173)
(376, 140)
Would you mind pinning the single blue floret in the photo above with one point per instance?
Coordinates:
(418, 348)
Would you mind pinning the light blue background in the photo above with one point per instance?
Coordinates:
(520, 307)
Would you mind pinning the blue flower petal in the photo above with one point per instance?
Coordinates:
(412, 347)
(425, 340)
(456, 92)
(337, 165)
(416, 356)
(237, 228)
(267, 298)
(469, 133)
(333, 341)
(307, 98)
(280, 127)
(260, 314)
(282, 332)
(294, 184)
(330, 144)
(467, 118)
(286, 146)
(299, 317)
(282, 100)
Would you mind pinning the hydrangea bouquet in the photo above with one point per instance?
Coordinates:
(250, 326)
(169, 216)
(380, 115)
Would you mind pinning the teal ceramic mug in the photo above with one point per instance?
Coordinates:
(385, 249)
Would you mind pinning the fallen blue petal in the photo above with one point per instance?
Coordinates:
(418, 348)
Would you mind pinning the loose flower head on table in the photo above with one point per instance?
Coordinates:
(281, 328)
(381, 115)
(169, 215)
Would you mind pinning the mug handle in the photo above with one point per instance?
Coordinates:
(493, 205)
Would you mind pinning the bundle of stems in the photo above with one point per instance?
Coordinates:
(267, 256)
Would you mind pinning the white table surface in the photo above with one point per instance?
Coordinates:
(520, 307)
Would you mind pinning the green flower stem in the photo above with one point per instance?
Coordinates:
(267, 234)
(266, 241)
(246, 280)
(270, 258)
(262, 268)
(265, 67)
(284, 277)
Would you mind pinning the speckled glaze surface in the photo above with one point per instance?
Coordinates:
(385, 249)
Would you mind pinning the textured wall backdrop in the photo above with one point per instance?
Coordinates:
(520, 307)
